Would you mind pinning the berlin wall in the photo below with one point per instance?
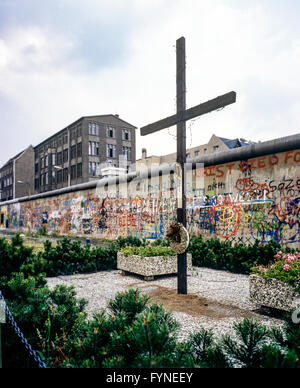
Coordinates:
(241, 195)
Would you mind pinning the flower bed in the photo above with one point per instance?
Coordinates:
(149, 261)
(277, 286)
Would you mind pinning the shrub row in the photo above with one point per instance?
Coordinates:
(66, 258)
(71, 257)
(238, 258)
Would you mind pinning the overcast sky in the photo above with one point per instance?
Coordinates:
(63, 59)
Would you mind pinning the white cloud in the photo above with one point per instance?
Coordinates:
(227, 49)
(33, 50)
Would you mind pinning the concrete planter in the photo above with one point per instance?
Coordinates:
(273, 293)
(150, 266)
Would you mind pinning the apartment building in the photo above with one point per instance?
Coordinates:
(16, 176)
(79, 152)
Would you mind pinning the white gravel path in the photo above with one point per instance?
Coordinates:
(226, 297)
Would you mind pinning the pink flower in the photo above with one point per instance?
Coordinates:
(265, 270)
(149, 245)
(286, 267)
(289, 260)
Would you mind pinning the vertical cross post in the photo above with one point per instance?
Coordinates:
(181, 156)
(2, 320)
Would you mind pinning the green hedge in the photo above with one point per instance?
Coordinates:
(71, 257)
(239, 258)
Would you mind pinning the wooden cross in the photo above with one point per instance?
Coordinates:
(180, 119)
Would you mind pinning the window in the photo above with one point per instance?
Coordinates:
(65, 175)
(65, 156)
(73, 172)
(66, 138)
(73, 152)
(93, 148)
(59, 158)
(197, 153)
(110, 151)
(79, 170)
(127, 152)
(46, 179)
(73, 133)
(110, 132)
(94, 169)
(60, 141)
(37, 184)
(59, 176)
(36, 168)
(53, 159)
(79, 131)
(94, 129)
(216, 148)
(126, 135)
(205, 150)
(188, 155)
(79, 150)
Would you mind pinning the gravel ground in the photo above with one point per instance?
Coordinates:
(216, 299)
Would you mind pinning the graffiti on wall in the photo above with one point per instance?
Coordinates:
(243, 201)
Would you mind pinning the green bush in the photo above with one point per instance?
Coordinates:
(131, 241)
(42, 231)
(66, 258)
(239, 258)
(148, 251)
(46, 318)
(70, 257)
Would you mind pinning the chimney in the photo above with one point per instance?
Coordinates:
(144, 153)
(117, 115)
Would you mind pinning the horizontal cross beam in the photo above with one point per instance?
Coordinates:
(199, 110)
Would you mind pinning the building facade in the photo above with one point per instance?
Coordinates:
(215, 145)
(16, 176)
(78, 153)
